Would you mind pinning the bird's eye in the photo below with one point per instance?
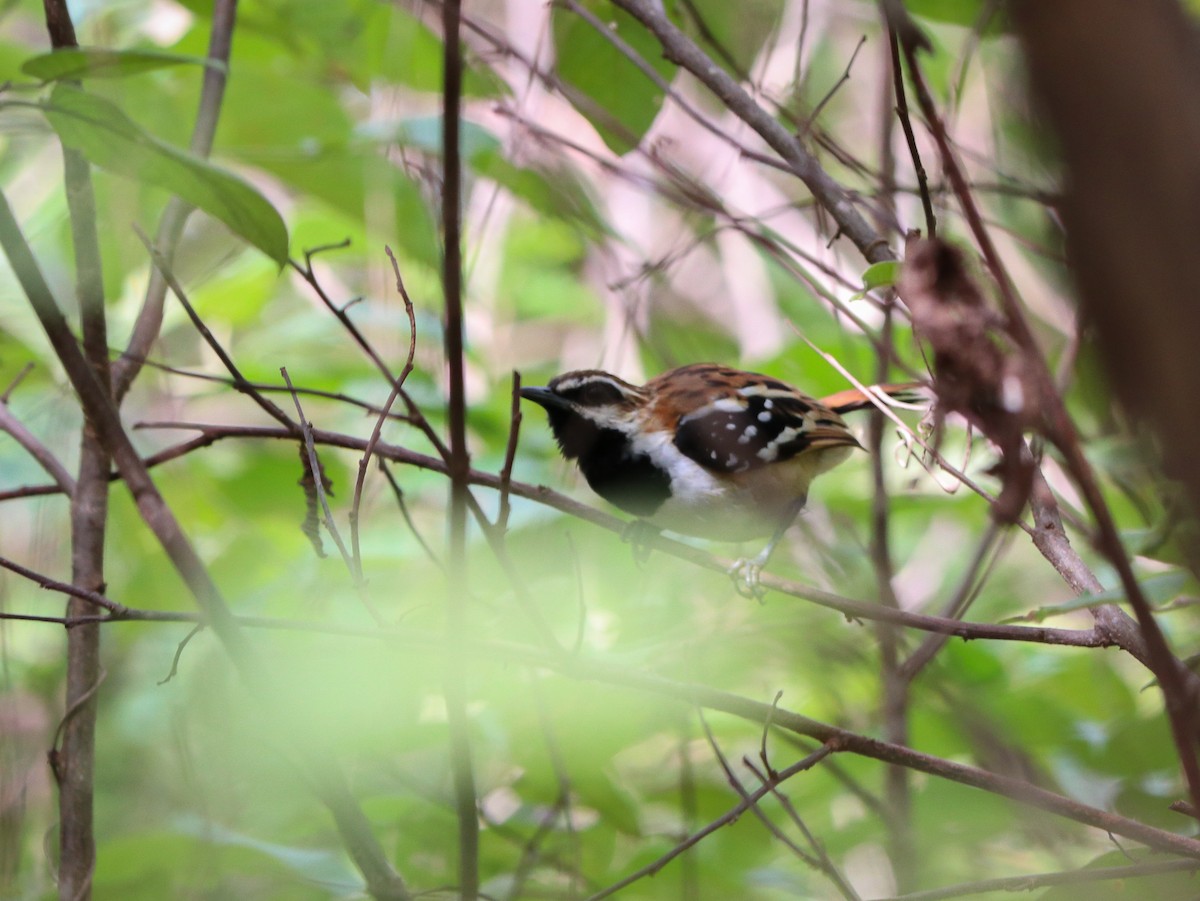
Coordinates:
(599, 394)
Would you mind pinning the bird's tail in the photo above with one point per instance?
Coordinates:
(853, 399)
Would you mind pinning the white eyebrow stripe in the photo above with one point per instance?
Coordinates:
(574, 383)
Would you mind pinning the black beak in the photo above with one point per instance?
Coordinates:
(545, 398)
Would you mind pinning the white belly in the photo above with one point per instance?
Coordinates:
(733, 506)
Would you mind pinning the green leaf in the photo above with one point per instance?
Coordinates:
(316, 864)
(397, 47)
(740, 28)
(624, 101)
(346, 181)
(881, 275)
(111, 140)
(967, 13)
(96, 62)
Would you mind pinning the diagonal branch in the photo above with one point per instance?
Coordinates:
(101, 412)
(10, 424)
(170, 228)
(683, 51)
(1179, 695)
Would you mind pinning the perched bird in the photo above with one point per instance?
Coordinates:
(703, 450)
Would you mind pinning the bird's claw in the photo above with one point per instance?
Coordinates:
(745, 573)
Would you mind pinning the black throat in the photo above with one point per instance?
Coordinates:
(617, 473)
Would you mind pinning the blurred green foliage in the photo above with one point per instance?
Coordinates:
(581, 251)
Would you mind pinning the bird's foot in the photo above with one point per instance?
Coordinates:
(745, 573)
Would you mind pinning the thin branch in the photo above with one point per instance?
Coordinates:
(846, 741)
(308, 275)
(179, 649)
(459, 462)
(33, 446)
(268, 388)
(398, 493)
(736, 784)
(1179, 696)
(162, 266)
(851, 608)
(747, 803)
(85, 594)
(831, 93)
(680, 49)
(906, 124)
(397, 387)
(6, 395)
(968, 588)
(1034, 881)
(98, 406)
(510, 452)
(170, 227)
(825, 862)
(318, 481)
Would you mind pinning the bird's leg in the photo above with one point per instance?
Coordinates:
(745, 571)
(639, 533)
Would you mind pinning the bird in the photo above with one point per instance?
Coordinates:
(704, 450)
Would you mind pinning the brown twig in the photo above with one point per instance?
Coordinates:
(510, 452)
(34, 446)
(749, 802)
(101, 412)
(306, 272)
(148, 324)
(76, 759)
(459, 462)
(968, 588)
(268, 406)
(179, 649)
(319, 488)
(1034, 881)
(1180, 699)
(267, 388)
(680, 49)
(75, 591)
(397, 387)
(769, 780)
(824, 861)
(831, 93)
(910, 138)
(398, 493)
(848, 607)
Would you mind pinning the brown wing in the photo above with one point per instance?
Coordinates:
(731, 421)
